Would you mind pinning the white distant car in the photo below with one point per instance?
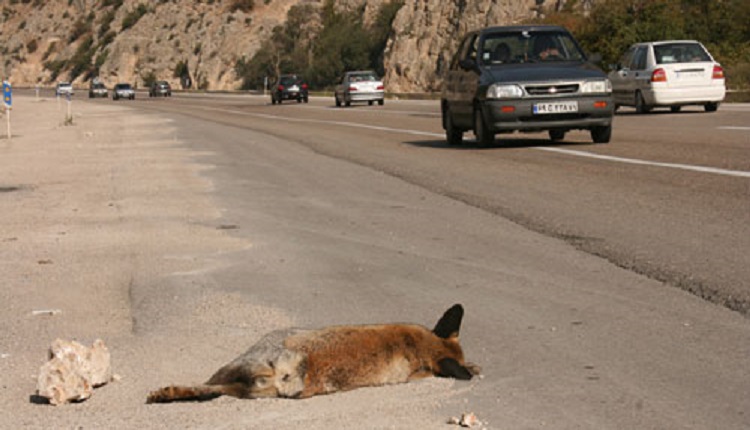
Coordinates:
(63, 89)
(123, 91)
(671, 73)
(361, 86)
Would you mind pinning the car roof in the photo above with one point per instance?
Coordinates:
(665, 42)
(516, 28)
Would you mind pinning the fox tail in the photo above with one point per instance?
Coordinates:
(197, 393)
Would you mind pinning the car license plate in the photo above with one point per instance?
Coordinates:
(556, 107)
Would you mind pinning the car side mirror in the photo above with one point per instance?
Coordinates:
(468, 64)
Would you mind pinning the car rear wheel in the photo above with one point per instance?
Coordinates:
(675, 109)
(338, 102)
(381, 102)
(640, 104)
(483, 134)
(370, 102)
(711, 107)
(556, 135)
(453, 135)
(601, 134)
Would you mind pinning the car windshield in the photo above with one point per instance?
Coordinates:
(363, 77)
(680, 53)
(123, 86)
(98, 86)
(529, 47)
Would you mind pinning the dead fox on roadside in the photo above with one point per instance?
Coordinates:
(299, 363)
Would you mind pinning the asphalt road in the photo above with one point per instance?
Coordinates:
(572, 260)
(668, 198)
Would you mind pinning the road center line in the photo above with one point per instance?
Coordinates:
(701, 169)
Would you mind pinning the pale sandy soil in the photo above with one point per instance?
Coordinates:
(109, 223)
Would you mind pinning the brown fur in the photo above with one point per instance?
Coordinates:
(303, 363)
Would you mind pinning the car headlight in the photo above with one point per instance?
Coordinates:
(504, 91)
(599, 87)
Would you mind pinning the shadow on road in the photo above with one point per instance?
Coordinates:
(500, 143)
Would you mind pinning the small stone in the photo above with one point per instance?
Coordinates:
(468, 420)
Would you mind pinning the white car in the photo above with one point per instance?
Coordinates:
(123, 91)
(64, 89)
(671, 73)
(361, 86)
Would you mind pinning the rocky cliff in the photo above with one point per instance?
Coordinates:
(132, 40)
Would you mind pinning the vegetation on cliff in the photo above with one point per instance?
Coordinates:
(612, 26)
(321, 43)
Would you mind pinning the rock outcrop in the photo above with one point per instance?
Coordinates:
(129, 40)
(427, 33)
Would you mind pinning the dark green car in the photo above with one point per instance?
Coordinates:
(527, 79)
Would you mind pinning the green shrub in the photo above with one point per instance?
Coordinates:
(133, 16)
(242, 5)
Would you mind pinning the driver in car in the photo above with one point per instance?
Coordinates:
(544, 49)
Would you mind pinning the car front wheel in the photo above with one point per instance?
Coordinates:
(601, 134)
(453, 135)
(640, 104)
(484, 136)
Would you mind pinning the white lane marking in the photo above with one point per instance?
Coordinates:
(729, 127)
(701, 169)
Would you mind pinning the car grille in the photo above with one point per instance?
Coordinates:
(551, 90)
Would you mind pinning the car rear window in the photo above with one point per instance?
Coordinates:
(363, 77)
(669, 53)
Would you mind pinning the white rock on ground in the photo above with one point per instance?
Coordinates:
(73, 371)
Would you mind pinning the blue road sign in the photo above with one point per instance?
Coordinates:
(7, 94)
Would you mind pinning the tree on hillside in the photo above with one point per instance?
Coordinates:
(321, 43)
(613, 25)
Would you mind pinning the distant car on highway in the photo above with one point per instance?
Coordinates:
(289, 87)
(64, 89)
(123, 91)
(671, 73)
(97, 89)
(524, 78)
(360, 86)
(160, 88)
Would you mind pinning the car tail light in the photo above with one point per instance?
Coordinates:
(352, 88)
(380, 87)
(281, 88)
(600, 104)
(718, 72)
(659, 75)
(304, 86)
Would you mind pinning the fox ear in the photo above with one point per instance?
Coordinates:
(449, 323)
(450, 368)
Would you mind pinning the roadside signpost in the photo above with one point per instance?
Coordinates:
(7, 101)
